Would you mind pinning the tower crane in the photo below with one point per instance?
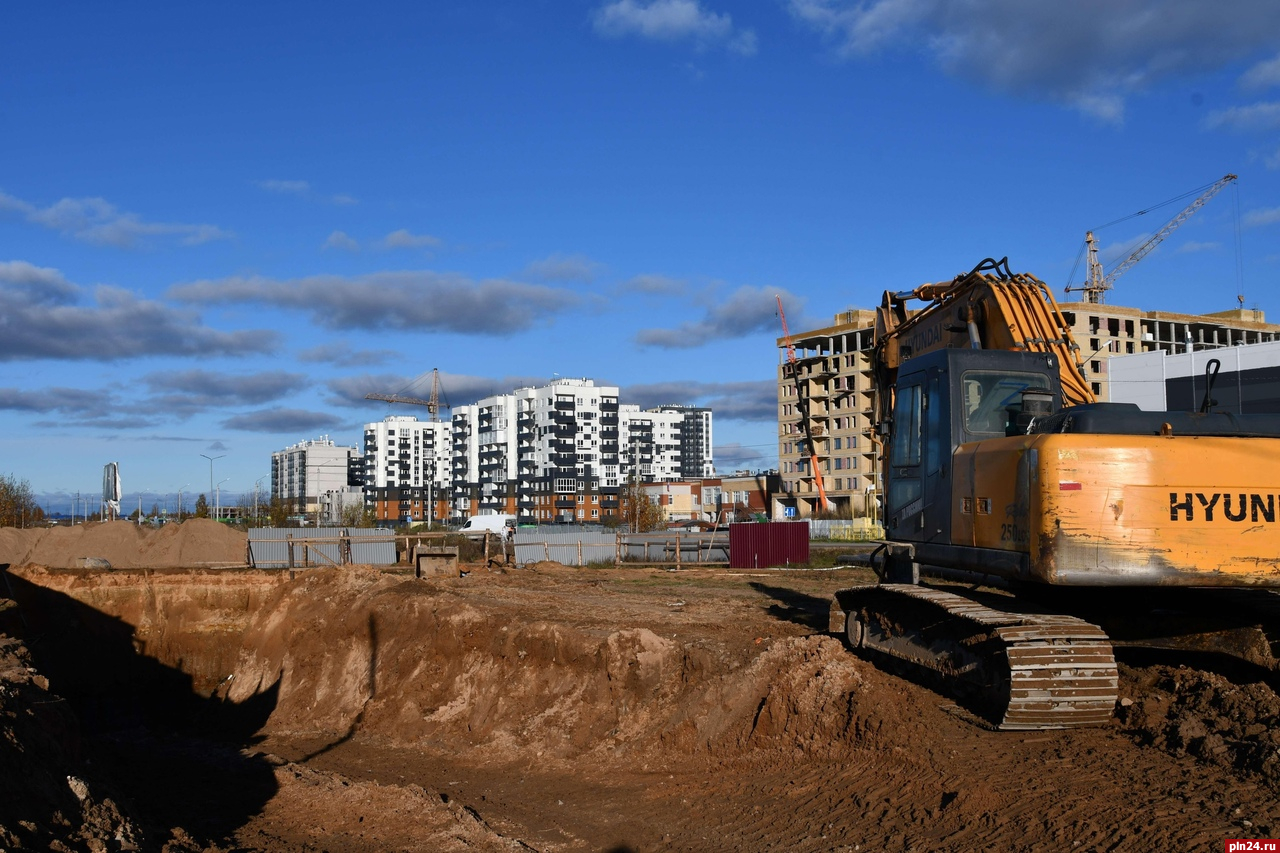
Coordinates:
(802, 403)
(1097, 284)
(432, 404)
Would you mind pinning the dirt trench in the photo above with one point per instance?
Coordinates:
(563, 709)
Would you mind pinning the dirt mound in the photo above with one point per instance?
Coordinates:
(125, 545)
(418, 668)
(1203, 714)
(361, 815)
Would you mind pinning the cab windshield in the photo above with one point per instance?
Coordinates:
(992, 400)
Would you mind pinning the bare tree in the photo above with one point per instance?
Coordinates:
(18, 507)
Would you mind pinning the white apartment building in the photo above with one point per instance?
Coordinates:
(697, 460)
(407, 468)
(534, 451)
(560, 452)
(651, 444)
(304, 472)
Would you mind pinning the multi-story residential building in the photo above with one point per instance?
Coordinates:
(832, 377)
(543, 454)
(407, 469)
(561, 452)
(304, 472)
(697, 460)
(651, 444)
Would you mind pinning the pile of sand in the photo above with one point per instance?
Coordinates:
(125, 545)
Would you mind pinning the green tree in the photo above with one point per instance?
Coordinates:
(202, 507)
(18, 507)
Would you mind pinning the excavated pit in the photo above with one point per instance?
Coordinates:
(560, 709)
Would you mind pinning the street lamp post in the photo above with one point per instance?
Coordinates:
(217, 500)
(180, 500)
(211, 458)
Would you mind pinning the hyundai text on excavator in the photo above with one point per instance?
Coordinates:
(1000, 468)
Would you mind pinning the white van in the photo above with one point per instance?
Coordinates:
(479, 525)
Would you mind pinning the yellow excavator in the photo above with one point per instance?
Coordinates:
(1087, 521)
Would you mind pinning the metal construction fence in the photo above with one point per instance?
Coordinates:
(581, 547)
(855, 530)
(293, 547)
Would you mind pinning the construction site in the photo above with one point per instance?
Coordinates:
(174, 702)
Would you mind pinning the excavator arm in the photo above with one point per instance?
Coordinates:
(987, 308)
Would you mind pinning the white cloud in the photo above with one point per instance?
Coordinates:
(655, 285)
(1264, 75)
(1260, 116)
(403, 239)
(1090, 55)
(40, 284)
(41, 316)
(747, 310)
(1196, 246)
(294, 187)
(95, 220)
(344, 199)
(340, 240)
(558, 267)
(672, 21)
(410, 300)
(1262, 216)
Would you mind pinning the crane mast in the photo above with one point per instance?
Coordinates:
(802, 403)
(1097, 284)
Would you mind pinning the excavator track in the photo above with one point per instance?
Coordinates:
(1021, 671)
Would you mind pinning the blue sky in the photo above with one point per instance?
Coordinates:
(222, 224)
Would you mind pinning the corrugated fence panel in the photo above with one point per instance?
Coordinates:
(379, 551)
(660, 547)
(537, 543)
(269, 546)
(760, 546)
(562, 546)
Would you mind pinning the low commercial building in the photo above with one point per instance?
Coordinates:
(1246, 379)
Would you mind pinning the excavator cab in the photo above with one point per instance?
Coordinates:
(945, 399)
